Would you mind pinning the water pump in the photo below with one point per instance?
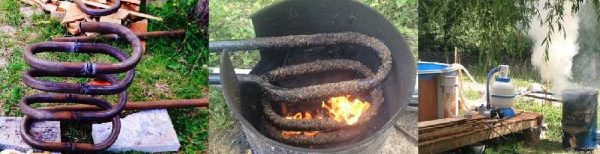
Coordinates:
(499, 99)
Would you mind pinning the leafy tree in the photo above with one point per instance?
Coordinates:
(488, 31)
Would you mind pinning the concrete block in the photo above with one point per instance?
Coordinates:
(10, 136)
(145, 131)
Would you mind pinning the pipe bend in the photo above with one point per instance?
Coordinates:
(98, 12)
(77, 93)
(122, 32)
(86, 116)
(68, 146)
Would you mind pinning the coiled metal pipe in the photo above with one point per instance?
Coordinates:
(78, 93)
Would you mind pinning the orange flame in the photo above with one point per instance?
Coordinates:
(342, 109)
(287, 134)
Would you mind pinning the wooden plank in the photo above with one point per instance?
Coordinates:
(110, 20)
(65, 5)
(453, 142)
(438, 121)
(428, 99)
(145, 16)
(73, 14)
(140, 27)
(450, 130)
(138, 2)
(444, 143)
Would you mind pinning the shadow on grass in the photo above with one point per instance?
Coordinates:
(516, 143)
(226, 135)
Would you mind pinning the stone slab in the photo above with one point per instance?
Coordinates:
(10, 136)
(145, 131)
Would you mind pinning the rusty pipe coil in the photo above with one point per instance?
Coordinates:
(321, 39)
(98, 12)
(72, 147)
(366, 83)
(143, 35)
(78, 93)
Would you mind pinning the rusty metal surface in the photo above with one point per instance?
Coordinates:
(293, 17)
(63, 92)
(315, 91)
(144, 35)
(365, 81)
(67, 146)
(145, 105)
(98, 12)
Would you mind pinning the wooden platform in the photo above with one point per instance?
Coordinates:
(441, 135)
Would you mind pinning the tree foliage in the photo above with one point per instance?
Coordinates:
(230, 19)
(489, 31)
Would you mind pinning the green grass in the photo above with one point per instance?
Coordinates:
(471, 94)
(170, 69)
(516, 143)
(551, 144)
(220, 124)
(230, 19)
(10, 12)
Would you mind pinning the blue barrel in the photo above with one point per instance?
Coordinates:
(579, 121)
(432, 69)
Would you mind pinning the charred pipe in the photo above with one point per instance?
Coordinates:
(365, 84)
(322, 39)
(544, 98)
(144, 35)
(64, 92)
(98, 12)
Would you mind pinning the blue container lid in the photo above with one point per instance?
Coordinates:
(501, 79)
(433, 68)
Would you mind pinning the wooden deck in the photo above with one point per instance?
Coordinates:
(441, 135)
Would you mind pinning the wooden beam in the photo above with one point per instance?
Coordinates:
(132, 1)
(488, 129)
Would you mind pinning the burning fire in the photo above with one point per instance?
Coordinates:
(287, 134)
(340, 108)
(343, 110)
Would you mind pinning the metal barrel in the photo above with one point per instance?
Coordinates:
(579, 121)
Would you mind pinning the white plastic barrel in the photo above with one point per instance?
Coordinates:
(503, 94)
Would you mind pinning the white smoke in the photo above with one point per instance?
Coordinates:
(585, 64)
(562, 49)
